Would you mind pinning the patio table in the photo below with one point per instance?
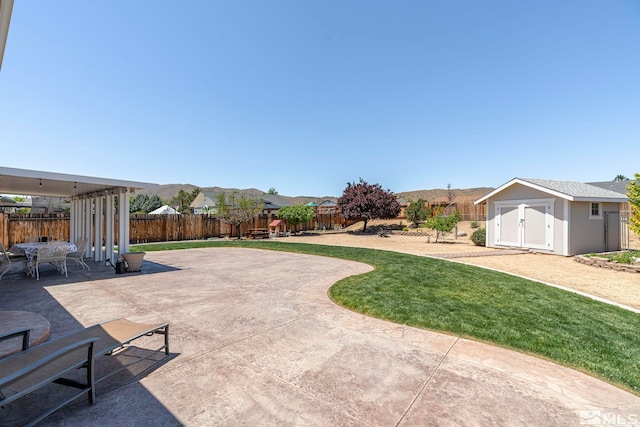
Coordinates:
(13, 320)
(30, 249)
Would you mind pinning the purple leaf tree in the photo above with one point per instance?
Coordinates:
(364, 201)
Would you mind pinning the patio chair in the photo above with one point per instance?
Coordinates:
(8, 260)
(78, 256)
(50, 362)
(55, 255)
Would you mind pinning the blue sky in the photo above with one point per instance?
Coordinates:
(305, 96)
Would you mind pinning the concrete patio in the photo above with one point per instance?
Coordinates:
(256, 341)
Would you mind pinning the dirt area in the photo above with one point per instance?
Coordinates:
(617, 286)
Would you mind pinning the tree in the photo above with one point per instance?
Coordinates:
(417, 211)
(153, 203)
(183, 200)
(272, 191)
(364, 201)
(620, 178)
(142, 203)
(237, 208)
(634, 203)
(296, 214)
(136, 204)
(443, 223)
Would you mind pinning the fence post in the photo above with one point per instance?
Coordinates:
(4, 228)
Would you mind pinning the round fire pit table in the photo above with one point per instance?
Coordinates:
(13, 320)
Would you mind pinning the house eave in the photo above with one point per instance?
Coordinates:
(6, 7)
(526, 184)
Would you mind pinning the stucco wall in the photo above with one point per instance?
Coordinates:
(587, 235)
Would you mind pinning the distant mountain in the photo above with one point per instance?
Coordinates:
(441, 195)
(169, 191)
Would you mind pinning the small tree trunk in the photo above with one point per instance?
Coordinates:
(364, 229)
(238, 231)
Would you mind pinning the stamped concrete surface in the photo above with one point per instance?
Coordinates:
(256, 341)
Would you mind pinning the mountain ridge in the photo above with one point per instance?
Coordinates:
(169, 191)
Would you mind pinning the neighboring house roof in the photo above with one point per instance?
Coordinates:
(312, 204)
(269, 205)
(204, 199)
(164, 210)
(569, 190)
(8, 202)
(276, 199)
(328, 203)
(49, 204)
(617, 186)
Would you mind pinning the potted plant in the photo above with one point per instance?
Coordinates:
(133, 260)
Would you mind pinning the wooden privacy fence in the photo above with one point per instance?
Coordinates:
(17, 228)
(468, 211)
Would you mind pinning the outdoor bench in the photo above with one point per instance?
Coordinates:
(257, 233)
(50, 362)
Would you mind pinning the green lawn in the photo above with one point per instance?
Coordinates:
(485, 305)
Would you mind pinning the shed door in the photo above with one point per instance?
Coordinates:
(612, 241)
(508, 226)
(534, 227)
(526, 224)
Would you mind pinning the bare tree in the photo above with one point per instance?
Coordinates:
(237, 208)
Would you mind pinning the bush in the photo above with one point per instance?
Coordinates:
(623, 257)
(474, 224)
(479, 237)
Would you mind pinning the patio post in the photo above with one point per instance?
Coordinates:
(123, 221)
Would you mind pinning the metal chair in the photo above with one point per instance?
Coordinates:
(78, 256)
(8, 260)
(53, 254)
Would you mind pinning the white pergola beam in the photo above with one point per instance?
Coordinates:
(6, 6)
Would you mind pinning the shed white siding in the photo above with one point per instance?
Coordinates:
(557, 217)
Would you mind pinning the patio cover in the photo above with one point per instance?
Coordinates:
(93, 205)
(6, 6)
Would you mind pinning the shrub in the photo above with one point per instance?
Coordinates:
(479, 237)
(474, 224)
(624, 257)
(405, 229)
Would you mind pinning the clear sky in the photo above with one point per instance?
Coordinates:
(305, 96)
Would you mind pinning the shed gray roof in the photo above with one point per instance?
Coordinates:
(573, 191)
(577, 190)
(617, 186)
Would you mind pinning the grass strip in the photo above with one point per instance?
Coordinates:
(498, 308)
